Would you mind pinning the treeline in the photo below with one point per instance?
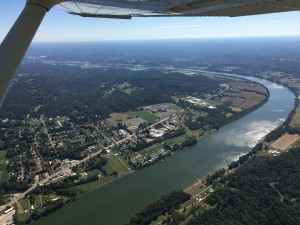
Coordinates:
(217, 175)
(174, 134)
(49, 208)
(286, 127)
(265, 190)
(189, 142)
(166, 203)
(14, 186)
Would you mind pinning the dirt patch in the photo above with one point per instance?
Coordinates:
(285, 141)
(19, 208)
(195, 188)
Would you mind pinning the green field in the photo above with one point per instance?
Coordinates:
(128, 90)
(2, 155)
(22, 217)
(296, 118)
(35, 123)
(92, 185)
(151, 149)
(235, 109)
(144, 114)
(228, 115)
(4, 172)
(38, 202)
(114, 164)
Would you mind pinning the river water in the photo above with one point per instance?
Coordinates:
(118, 201)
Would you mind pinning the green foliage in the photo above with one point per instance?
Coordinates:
(13, 186)
(165, 204)
(63, 91)
(189, 142)
(262, 191)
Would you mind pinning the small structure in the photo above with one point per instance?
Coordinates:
(9, 210)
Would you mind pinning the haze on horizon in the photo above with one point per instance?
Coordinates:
(58, 26)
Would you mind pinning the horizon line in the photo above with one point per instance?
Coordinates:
(170, 39)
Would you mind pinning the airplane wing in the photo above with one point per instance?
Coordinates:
(126, 9)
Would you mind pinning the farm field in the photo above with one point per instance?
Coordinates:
(296, 118)
(284, 142)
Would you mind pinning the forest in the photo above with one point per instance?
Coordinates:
(265, 190)
(67, 90)
(167, 203)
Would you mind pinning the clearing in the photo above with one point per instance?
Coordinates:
(296, 117)
(285, 141)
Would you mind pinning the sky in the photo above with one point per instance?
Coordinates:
(59, 26)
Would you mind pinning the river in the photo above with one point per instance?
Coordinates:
(116, 202)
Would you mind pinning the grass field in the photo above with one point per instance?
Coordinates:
(22, 217)
(123, 117)
(2, 155)
(128, 90)
(228, 115)
(235, 109)
(38, 202)
(114, 164)
(296, 118)
(144, 114)
(35, 123)
(151, 149)
(48, 197)
(81, 140)
(5, 175)
(92, 185)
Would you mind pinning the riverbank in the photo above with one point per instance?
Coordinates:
(201, 190)
(198, 134)
(176, 172)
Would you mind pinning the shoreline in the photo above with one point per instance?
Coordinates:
(227, 121)
(296, 103)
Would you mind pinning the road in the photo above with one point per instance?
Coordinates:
(47, 133)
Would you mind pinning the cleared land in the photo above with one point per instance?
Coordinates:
(23, 210)
(2, 156)
(35, 123)
(195, 188)
(296, 118)
(284, 142)
(162, 110)
(114, 164)
(4, 176)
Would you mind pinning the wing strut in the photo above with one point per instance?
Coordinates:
(17, 41)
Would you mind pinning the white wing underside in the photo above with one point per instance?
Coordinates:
(160, 8)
